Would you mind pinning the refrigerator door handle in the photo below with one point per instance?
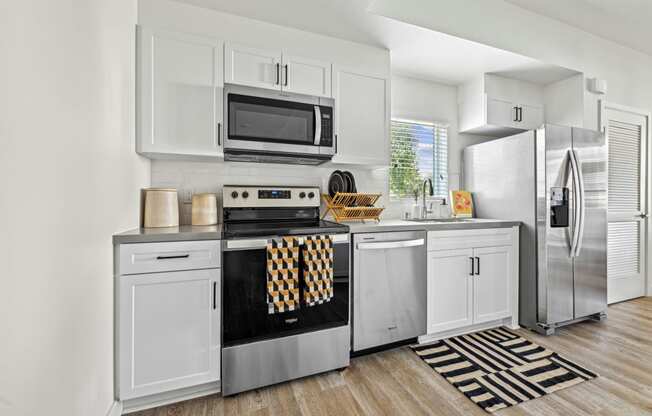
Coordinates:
(582, 203)
(578, 203)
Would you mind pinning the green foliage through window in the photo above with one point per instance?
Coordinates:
(419, 151)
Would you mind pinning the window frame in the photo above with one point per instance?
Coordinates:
(435, 124)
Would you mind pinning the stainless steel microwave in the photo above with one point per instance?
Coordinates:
(277, 127)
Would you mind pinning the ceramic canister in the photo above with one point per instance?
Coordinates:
(204, 209)
(161, 208)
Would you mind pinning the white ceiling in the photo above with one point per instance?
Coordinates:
(627, 22)
(415, 51)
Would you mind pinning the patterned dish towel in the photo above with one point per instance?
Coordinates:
(317, 270)
(283, 275)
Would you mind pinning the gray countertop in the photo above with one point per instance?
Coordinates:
(214, 232)
(403, 225)
(158, 235)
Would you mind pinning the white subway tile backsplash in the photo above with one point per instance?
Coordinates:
(211, 177)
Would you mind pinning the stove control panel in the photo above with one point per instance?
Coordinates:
(269, 196)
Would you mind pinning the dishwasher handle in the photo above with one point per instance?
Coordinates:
(391, 244)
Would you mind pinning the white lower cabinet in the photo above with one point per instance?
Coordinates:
(491, 283)
(168, 331)
(472, 278)
(450, 289)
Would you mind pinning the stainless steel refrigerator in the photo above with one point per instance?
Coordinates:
(554, 180)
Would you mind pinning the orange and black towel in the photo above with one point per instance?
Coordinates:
(317, 270)
(283, 275)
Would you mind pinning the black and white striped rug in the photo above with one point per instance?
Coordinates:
(498, 368)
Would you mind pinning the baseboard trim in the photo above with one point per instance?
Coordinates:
(115, 409)
(467, 329)
(162, 399)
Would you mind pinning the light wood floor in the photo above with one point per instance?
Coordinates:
(396, 382)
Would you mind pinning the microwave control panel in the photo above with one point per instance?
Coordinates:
(326, 126)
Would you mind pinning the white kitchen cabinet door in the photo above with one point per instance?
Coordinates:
(500, 113)
(306, 76)
(492, 289)
(253, 67)
(362, 119)
(169, 332)
(532, 117)
(450, 289)
(180, 84)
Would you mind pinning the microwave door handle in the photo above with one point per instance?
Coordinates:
(317, 125)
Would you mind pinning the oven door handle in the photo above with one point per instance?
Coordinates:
(317, 125)
(232, 245)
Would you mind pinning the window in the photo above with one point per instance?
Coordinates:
(419, 151)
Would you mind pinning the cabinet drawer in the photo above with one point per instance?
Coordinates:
(162, 257)
(454, 239)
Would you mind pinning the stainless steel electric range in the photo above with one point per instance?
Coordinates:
(260, 348)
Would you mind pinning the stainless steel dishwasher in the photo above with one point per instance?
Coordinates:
(389, 288)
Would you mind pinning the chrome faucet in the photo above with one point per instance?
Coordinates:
(424, 210)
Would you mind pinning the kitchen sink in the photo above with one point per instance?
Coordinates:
(441, 219)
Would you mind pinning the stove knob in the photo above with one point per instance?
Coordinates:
(311, 195)
(234, 194)
(245, 194)
(302, 195)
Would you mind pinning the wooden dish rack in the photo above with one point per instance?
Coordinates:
(352, 206)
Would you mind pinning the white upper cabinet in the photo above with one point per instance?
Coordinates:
(276, 70)
(531, 116)
(497, 106)
(500, 112)
(306, 76)
(253, 67)
(179, 92)
(362, 119)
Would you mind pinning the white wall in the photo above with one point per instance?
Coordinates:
(564, 101)
(70, 179)
(505, 26)
(420, 100)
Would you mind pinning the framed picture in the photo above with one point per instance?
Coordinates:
(461, 204)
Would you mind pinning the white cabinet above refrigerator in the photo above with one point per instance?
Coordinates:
(497, 106)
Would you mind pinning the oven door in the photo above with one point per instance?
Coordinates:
(266, 123)
(245, 316)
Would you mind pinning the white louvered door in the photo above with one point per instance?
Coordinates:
(626, 260)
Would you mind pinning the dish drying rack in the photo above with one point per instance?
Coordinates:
(347, 206)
